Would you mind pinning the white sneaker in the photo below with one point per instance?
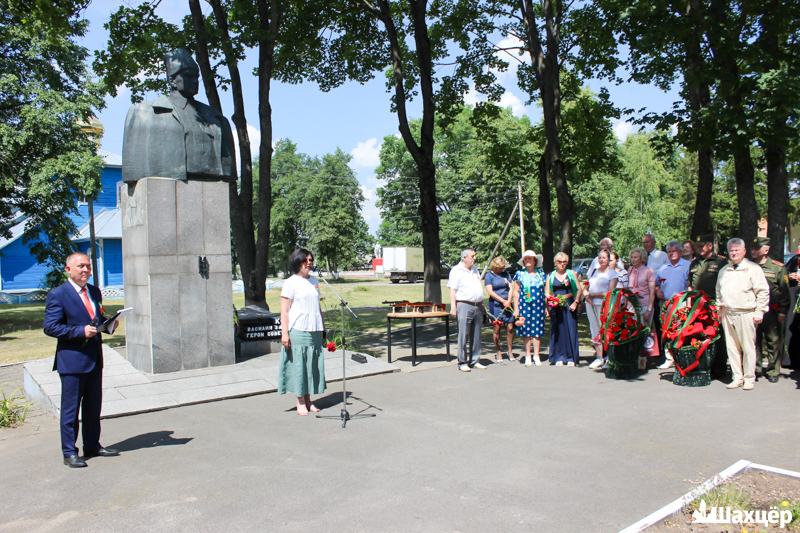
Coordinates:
(596, 363)
(464, 368)
(665, 365)
(537, 361)
(571, 363)
(559, 363)
(479, 366)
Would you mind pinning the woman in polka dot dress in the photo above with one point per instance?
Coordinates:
(529, 304)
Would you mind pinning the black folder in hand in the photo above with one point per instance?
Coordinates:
(104, 326)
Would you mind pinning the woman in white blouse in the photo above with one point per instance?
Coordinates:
(302, 366)
(602, 280)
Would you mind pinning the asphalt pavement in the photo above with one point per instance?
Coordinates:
(508, 448)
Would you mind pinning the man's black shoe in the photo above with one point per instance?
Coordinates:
(772, 379)
(101, 452)
(73, 461)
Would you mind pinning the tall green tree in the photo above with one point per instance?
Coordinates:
(48, 161)
(414, 37)
(317, 203)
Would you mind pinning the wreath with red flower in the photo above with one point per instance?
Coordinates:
(620, 318)
(689, 318)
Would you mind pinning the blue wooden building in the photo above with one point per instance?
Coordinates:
(19, 270)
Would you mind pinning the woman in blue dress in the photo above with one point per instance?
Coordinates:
(498, 287)
(529, 305)
(563, 283)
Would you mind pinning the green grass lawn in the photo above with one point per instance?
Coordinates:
(22, 338)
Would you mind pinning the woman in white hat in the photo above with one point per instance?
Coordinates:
(529, 304)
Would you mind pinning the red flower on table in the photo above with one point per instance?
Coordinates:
(331, 346)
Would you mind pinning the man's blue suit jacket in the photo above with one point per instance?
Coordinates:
(64, 318)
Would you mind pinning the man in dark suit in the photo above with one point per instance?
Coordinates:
(71, 315)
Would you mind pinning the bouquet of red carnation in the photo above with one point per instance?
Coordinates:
(620, 318)
(556, 301)
(689, 318)
(331, 346)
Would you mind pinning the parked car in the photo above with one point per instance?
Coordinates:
(580, 265)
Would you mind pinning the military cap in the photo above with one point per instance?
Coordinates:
(758, 242)
(703, 238)
(177, 60)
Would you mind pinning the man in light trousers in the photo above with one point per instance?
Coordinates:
(466, 304)
(742, 298)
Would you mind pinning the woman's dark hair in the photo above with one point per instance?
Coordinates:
(297, 258)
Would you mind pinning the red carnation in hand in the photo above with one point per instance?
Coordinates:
(331, 346)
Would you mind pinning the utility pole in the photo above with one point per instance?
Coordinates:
(521, 221)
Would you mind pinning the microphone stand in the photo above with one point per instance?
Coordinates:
(344, 416)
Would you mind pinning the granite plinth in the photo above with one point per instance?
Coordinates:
(182, 312)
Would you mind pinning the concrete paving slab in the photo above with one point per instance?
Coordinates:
(127, 390)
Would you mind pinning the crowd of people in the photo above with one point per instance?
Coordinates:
(753, 297)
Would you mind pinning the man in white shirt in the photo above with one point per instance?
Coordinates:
(671, 279)
(466, 304)
(655, 258)
(742, 298)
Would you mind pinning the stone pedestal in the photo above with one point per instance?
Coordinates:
(182, 314)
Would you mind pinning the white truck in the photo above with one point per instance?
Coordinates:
(403, 262)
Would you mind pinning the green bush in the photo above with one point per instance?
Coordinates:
(13, 410)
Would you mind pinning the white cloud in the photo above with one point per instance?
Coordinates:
(366, 154)
(622, 129)
(512, 57)
(509, 99)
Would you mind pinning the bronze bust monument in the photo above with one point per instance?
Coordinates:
(176, 136)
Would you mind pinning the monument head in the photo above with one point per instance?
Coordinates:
(175, 136)
(183, 73)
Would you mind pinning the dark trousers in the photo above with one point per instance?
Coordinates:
(81, 393)
(769, 335)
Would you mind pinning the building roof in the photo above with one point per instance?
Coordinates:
(107, 225)
(111, 159)
(16, 232)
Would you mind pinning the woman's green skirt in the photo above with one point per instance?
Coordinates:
(302, 369)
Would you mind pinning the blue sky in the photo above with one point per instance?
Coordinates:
(353, 117)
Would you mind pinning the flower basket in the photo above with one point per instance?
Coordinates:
(690, 331)
(625, 360)
(700, 376)
(622, 334)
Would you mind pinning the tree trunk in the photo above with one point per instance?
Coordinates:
(545, 216)
(745, 191)
(777, 198)
(240, 198)
(269, 21)
(422, 153)
(547, 70)
(724, 36)
(773, 35)
(698, 97)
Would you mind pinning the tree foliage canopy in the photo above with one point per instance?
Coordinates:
(48, 158)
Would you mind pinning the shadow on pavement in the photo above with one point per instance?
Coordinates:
(149, 440)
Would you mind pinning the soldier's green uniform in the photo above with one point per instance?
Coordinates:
(769, 333)
(703, 275)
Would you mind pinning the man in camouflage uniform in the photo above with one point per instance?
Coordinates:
(769, 334)
(703, 272)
